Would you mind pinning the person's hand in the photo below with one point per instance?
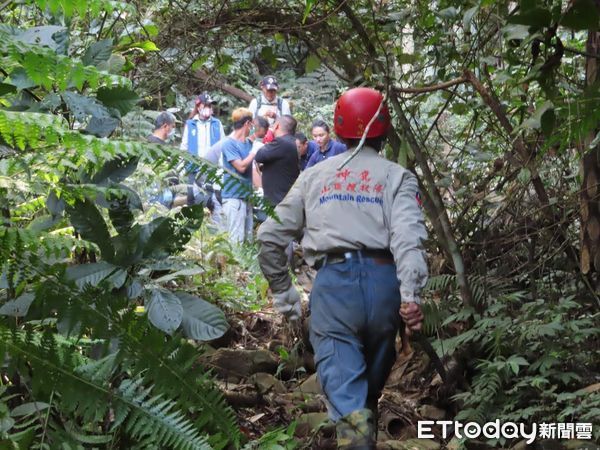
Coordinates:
(412, 316)
(288, 303)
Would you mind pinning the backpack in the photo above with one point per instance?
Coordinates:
(279, 104)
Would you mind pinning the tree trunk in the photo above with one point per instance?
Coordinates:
(590, 168)
(217, 82)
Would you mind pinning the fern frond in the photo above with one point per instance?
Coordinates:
(49, 69)
(154, 418)
(145, 416)
(440, 282)
(433, 317)
(39, 243)
(93, 7)
(167, 366)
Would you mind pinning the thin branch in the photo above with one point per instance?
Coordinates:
(327, 64)
(29, 91)
(581, 52)
(102, 26)
(215, 82)
(435, 87)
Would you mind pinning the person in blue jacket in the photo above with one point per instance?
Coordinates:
(202, 130)
(327, 146)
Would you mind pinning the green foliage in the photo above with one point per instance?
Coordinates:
(94, 7)
(89, 390)
(532, 354)
(94, 340)
(120, 98)
(278, 439)
(233, 276)
(82, 255)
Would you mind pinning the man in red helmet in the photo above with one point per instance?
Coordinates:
(363, 230)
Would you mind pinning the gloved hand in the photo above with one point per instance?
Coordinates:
(288, 303)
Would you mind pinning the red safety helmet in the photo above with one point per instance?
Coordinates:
(355, 109)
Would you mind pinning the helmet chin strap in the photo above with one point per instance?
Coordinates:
(364, 135)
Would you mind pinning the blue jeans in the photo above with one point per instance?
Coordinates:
(354, 321)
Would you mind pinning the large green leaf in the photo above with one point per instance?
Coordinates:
(307, 8)
(118, 278)
(129, 247)
(20, 79)
(511, 32)
(180, 273)
(90, 224)
(406, 58)
(164, 235)
(120, 213)
(448, 13)
(114, 64)
(144, 46)
(312, 63)
(82, 106)
(97, 52)
(55, 205)
(29, 408)
(43, 223)
(468, 17)
(165, 311)
(201, 320)
(7, 88)
(51, 36)
(268, 55)
(115, 171)
(92, 273)
(548, 121)
(535, 120)
(193, 216)
(102, 126)
(19, 306)
(155, 237)
(134, 289)
(535, 17)
(583, 15)
(121, 98)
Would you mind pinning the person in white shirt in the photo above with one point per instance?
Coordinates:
(268, 104)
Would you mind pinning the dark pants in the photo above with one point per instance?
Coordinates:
(354, 321)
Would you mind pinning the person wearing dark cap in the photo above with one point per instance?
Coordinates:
(202, 129)
(268, 104)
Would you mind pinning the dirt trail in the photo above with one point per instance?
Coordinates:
(265, 367)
